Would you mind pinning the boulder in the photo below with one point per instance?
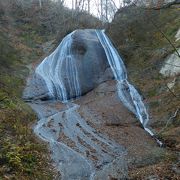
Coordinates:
(172, 65)
(83, 67)
(35, 89)
(92, 64)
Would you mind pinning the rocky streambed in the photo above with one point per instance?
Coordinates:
(95, 136)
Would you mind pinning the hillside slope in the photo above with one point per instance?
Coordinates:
(146, 38)
(27, 34)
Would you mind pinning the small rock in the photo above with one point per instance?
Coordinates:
(152, 177)
(176, 169)
(171, 84)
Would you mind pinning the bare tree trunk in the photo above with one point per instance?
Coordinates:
(76, 4)
(106, 9)
(89, 6)
(114, 4)
(101, 9)
(62, 2)
(98, 5)
(40, 4)
(72, 4)
(83, 4)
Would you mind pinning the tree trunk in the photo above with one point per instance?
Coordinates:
(72, 4)
(76, 4)
(89, 6)
(101, 9)
(106, 9)
(40, 4)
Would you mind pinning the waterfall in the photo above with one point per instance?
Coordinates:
(79, 150)
(60, 73)
(127, 93)
(55, 76)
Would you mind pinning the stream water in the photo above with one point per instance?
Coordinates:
(127, 92)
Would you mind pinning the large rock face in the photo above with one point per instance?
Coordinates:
(172, 65)
(83, 66)
(92, 64)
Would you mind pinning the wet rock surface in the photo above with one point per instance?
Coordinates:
(95, 136)
(85, 54)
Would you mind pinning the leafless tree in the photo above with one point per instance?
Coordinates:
(107, 9)
(40, 4)
(88, 6)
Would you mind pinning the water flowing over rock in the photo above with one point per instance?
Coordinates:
(78, 150)
(77, 66)
(127, 93)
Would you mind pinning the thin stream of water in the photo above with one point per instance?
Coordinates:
(50, 70)
(127, 92)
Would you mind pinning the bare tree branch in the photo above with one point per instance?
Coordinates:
(155, 25)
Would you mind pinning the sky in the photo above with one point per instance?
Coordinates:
(93, 4)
